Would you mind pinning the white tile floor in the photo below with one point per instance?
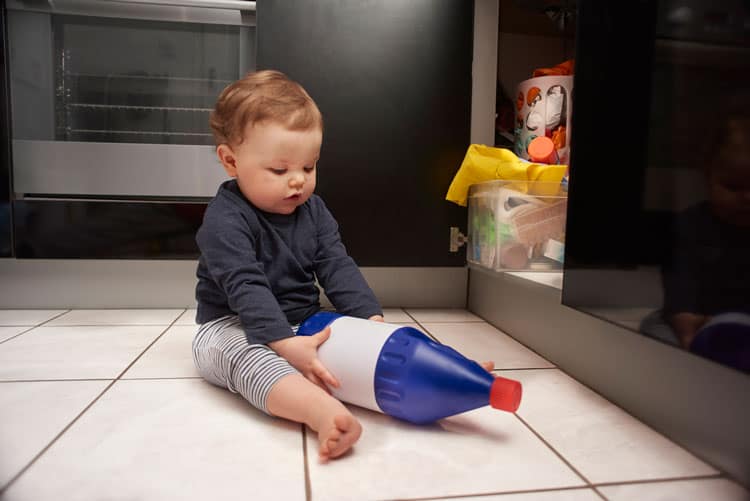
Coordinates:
(106, 404)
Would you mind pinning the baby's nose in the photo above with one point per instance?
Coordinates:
(297, 179)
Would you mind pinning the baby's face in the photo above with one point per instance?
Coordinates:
(276, 167)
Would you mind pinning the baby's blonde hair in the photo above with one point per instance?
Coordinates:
(262, 96)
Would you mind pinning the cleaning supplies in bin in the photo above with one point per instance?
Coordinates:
(399, 371)
(517, 225)
(485, 163)
(544, 110)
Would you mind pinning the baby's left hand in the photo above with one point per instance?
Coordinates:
(377, 318)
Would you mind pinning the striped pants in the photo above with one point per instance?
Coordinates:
(224, 357)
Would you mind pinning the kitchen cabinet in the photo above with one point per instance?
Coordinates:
(393, 81)
(5, 207)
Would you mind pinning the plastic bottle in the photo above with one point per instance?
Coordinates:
(401, 372)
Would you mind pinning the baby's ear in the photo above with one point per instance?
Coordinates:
(227, 159)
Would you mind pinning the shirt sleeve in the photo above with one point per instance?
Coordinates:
(338, 274)
(227, 246)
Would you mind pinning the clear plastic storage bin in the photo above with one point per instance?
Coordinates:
(517, 225)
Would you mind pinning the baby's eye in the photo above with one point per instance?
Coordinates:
(278, 172)
(310, 169)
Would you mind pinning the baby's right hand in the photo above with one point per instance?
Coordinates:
(302, 353)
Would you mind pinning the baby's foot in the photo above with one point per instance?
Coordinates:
(337, 434)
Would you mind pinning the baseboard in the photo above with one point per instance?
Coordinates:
(70, 283)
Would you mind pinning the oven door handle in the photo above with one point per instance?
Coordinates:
(241, 5)
(233, 12)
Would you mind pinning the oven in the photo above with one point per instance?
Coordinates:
(111, 154)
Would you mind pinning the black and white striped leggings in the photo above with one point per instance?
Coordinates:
(224, 357)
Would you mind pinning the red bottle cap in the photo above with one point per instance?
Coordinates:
(542, 150)
(505, 394)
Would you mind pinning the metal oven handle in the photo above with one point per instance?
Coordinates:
(241, 5)
(237, 12)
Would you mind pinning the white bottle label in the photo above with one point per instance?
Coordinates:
(351, 354)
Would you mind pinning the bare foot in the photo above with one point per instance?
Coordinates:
(488, 366)
(337, 433)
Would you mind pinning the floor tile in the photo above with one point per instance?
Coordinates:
(442, 315)
(74, 352)
(396, 316)
(718, 489)
(27, 317)
(600, 440)
(33, 413)
(481, 341)
(476, 452)
(170, 356)
(118, 317)
(170, 439)
(412, 325)
(187, 318)
(9, 332)
(557, 495)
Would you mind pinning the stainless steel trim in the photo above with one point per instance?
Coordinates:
(225, 12)
(120, 200)
(213, 4)
(109, 170)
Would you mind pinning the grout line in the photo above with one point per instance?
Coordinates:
(55, 439)
(435, 338)
(69, 425)
(149, 346)
(160, 324)
(599, 493)
(568, 463)
(507, 369)
(480, 321)
(643, 423)
(308, 484)
(666, 479)
(56, 380)
(430, 334)
(500, 493)
(32, 327)
(515, 339)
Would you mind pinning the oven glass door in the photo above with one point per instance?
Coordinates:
(112, 99)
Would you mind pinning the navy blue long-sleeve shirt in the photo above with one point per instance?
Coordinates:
(262, 266)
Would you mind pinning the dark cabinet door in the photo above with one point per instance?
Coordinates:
(393, 81)
(5, 206)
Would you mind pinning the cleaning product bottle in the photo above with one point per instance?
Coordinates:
(542, 150)
(399, 371)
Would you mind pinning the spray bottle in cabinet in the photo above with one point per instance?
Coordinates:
(399, 371)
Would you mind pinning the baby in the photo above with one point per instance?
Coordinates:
(264, 241)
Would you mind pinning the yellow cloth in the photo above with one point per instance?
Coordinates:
(486, 163)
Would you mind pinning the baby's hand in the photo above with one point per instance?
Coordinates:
(377, 318)
(302, 353)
